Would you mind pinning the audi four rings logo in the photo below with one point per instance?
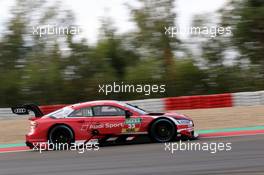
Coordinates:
(20, 110)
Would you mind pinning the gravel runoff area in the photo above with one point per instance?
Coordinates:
(13, 130)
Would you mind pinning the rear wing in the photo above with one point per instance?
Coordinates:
(38, 111)
(25, 109)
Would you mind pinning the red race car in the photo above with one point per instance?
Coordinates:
(104, 121)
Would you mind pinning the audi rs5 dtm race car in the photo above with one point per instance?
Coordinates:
(104, 121)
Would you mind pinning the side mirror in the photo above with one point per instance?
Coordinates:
(128, 114)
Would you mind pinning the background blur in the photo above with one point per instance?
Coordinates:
(68, 69)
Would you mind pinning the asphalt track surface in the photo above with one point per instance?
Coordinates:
(245, 158)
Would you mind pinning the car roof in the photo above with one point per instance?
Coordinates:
(97, 102)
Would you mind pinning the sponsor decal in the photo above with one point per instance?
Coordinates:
(132, 125)
(133, 121)
(20, 110)
(102, 125)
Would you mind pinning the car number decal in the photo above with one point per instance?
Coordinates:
(132, 125)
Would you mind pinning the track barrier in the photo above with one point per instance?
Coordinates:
(178, 103)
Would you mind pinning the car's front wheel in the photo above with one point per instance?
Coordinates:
(61, 135)
(162, 130)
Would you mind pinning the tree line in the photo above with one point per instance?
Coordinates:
(67, 69)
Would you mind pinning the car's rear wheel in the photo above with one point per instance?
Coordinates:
(162, 130)
(61, 135)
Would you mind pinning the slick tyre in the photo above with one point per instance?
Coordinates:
(60, 137)
(162, 130)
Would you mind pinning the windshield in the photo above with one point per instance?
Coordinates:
(134, 108)
(61, 113)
